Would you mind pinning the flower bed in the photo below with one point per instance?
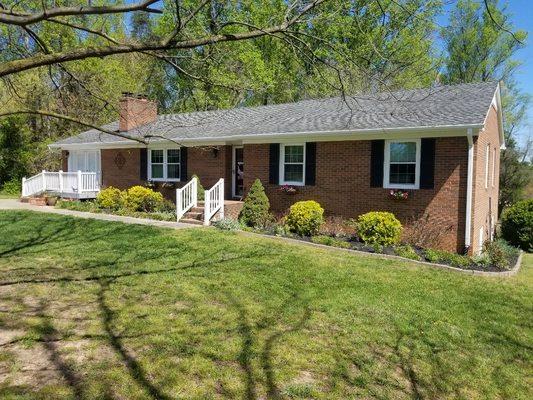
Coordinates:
(137, 201)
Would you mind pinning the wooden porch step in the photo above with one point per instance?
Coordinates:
(191, 221)
(193, 215)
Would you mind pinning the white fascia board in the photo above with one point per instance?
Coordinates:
(497, 102)
(340, 135)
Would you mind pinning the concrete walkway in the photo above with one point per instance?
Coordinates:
(14, 204)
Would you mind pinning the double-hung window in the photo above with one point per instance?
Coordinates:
(402, 164)
(164, 164)
(292, 165)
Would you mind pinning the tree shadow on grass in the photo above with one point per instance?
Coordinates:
(249, 339)
(135, 369)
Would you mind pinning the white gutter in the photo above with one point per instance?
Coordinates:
(469, 183)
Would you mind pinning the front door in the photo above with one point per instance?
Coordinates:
(238, 172)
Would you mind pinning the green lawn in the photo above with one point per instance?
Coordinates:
(100, 310)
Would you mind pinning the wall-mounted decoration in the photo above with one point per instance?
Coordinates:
(120, 160)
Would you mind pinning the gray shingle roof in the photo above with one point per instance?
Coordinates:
(440, 106)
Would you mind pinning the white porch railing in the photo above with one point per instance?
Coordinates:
(60, 182)
(214, 201)
(186, 198)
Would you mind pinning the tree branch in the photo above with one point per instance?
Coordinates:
(23, 19)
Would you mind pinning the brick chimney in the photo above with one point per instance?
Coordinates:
(136, 110)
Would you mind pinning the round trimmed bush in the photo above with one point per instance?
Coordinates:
(140, 198)
(109, 198)
(200, 191)
(517, 224)
(379, 228)
(305, 217)
(254, 211)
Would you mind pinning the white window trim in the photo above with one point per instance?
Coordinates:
(386, 166)
(165, 164)
(487, 157)
(282, 181)
(493, 164)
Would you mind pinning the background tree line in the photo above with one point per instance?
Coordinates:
(340, 47)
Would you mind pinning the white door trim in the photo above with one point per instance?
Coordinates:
(233, 171)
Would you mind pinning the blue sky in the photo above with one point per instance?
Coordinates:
(522, 18)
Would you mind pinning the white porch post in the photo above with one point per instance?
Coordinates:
(79, 182)
(23, 186)
(44, 180)
(60, 181)
(179, 206)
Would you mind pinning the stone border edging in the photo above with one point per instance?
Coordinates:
(510, 272)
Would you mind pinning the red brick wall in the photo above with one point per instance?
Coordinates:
(201, 161)
(343, 185)
(485, 199)
(121, 177)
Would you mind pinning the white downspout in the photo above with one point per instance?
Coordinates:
(469, 182)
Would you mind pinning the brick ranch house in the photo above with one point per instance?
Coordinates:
(441, 145)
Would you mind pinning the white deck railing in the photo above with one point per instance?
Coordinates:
(214, 201)
(186, 198)
(60, 182)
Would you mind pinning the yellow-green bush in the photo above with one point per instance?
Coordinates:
(109, 198)
(139, 198)
(305, 218)
(379, 228)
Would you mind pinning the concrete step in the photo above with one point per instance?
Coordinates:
(191, 221)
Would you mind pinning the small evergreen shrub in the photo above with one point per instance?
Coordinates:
(200, 191)
(254, 212)
(517, 224)
(330, 241)
(407, 251)
(109, 198)
(305, 218)
(379, 228)
(139, 198)
(227, 224)
(166, 206)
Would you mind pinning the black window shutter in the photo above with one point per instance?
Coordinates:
(143, 171)
(274, 164)
(183, 164)
(377, 154)
(427, 164)
(310, 163)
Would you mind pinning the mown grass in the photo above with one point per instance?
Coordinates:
(100, 310)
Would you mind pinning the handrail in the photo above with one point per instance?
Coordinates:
(186, 198)
(214, 201)
(60, 182)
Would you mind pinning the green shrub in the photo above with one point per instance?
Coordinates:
(88, 206)
(379, 228)
(305, 218)
(12, 187)
(481, 260)
(447, 257)
(139, 198)
(330, 241)
(254, 212)
(200, 191)
(109, 198)
(227, 224)
(407, 251)
(517, 224)
(166, 206)
(499, 253)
